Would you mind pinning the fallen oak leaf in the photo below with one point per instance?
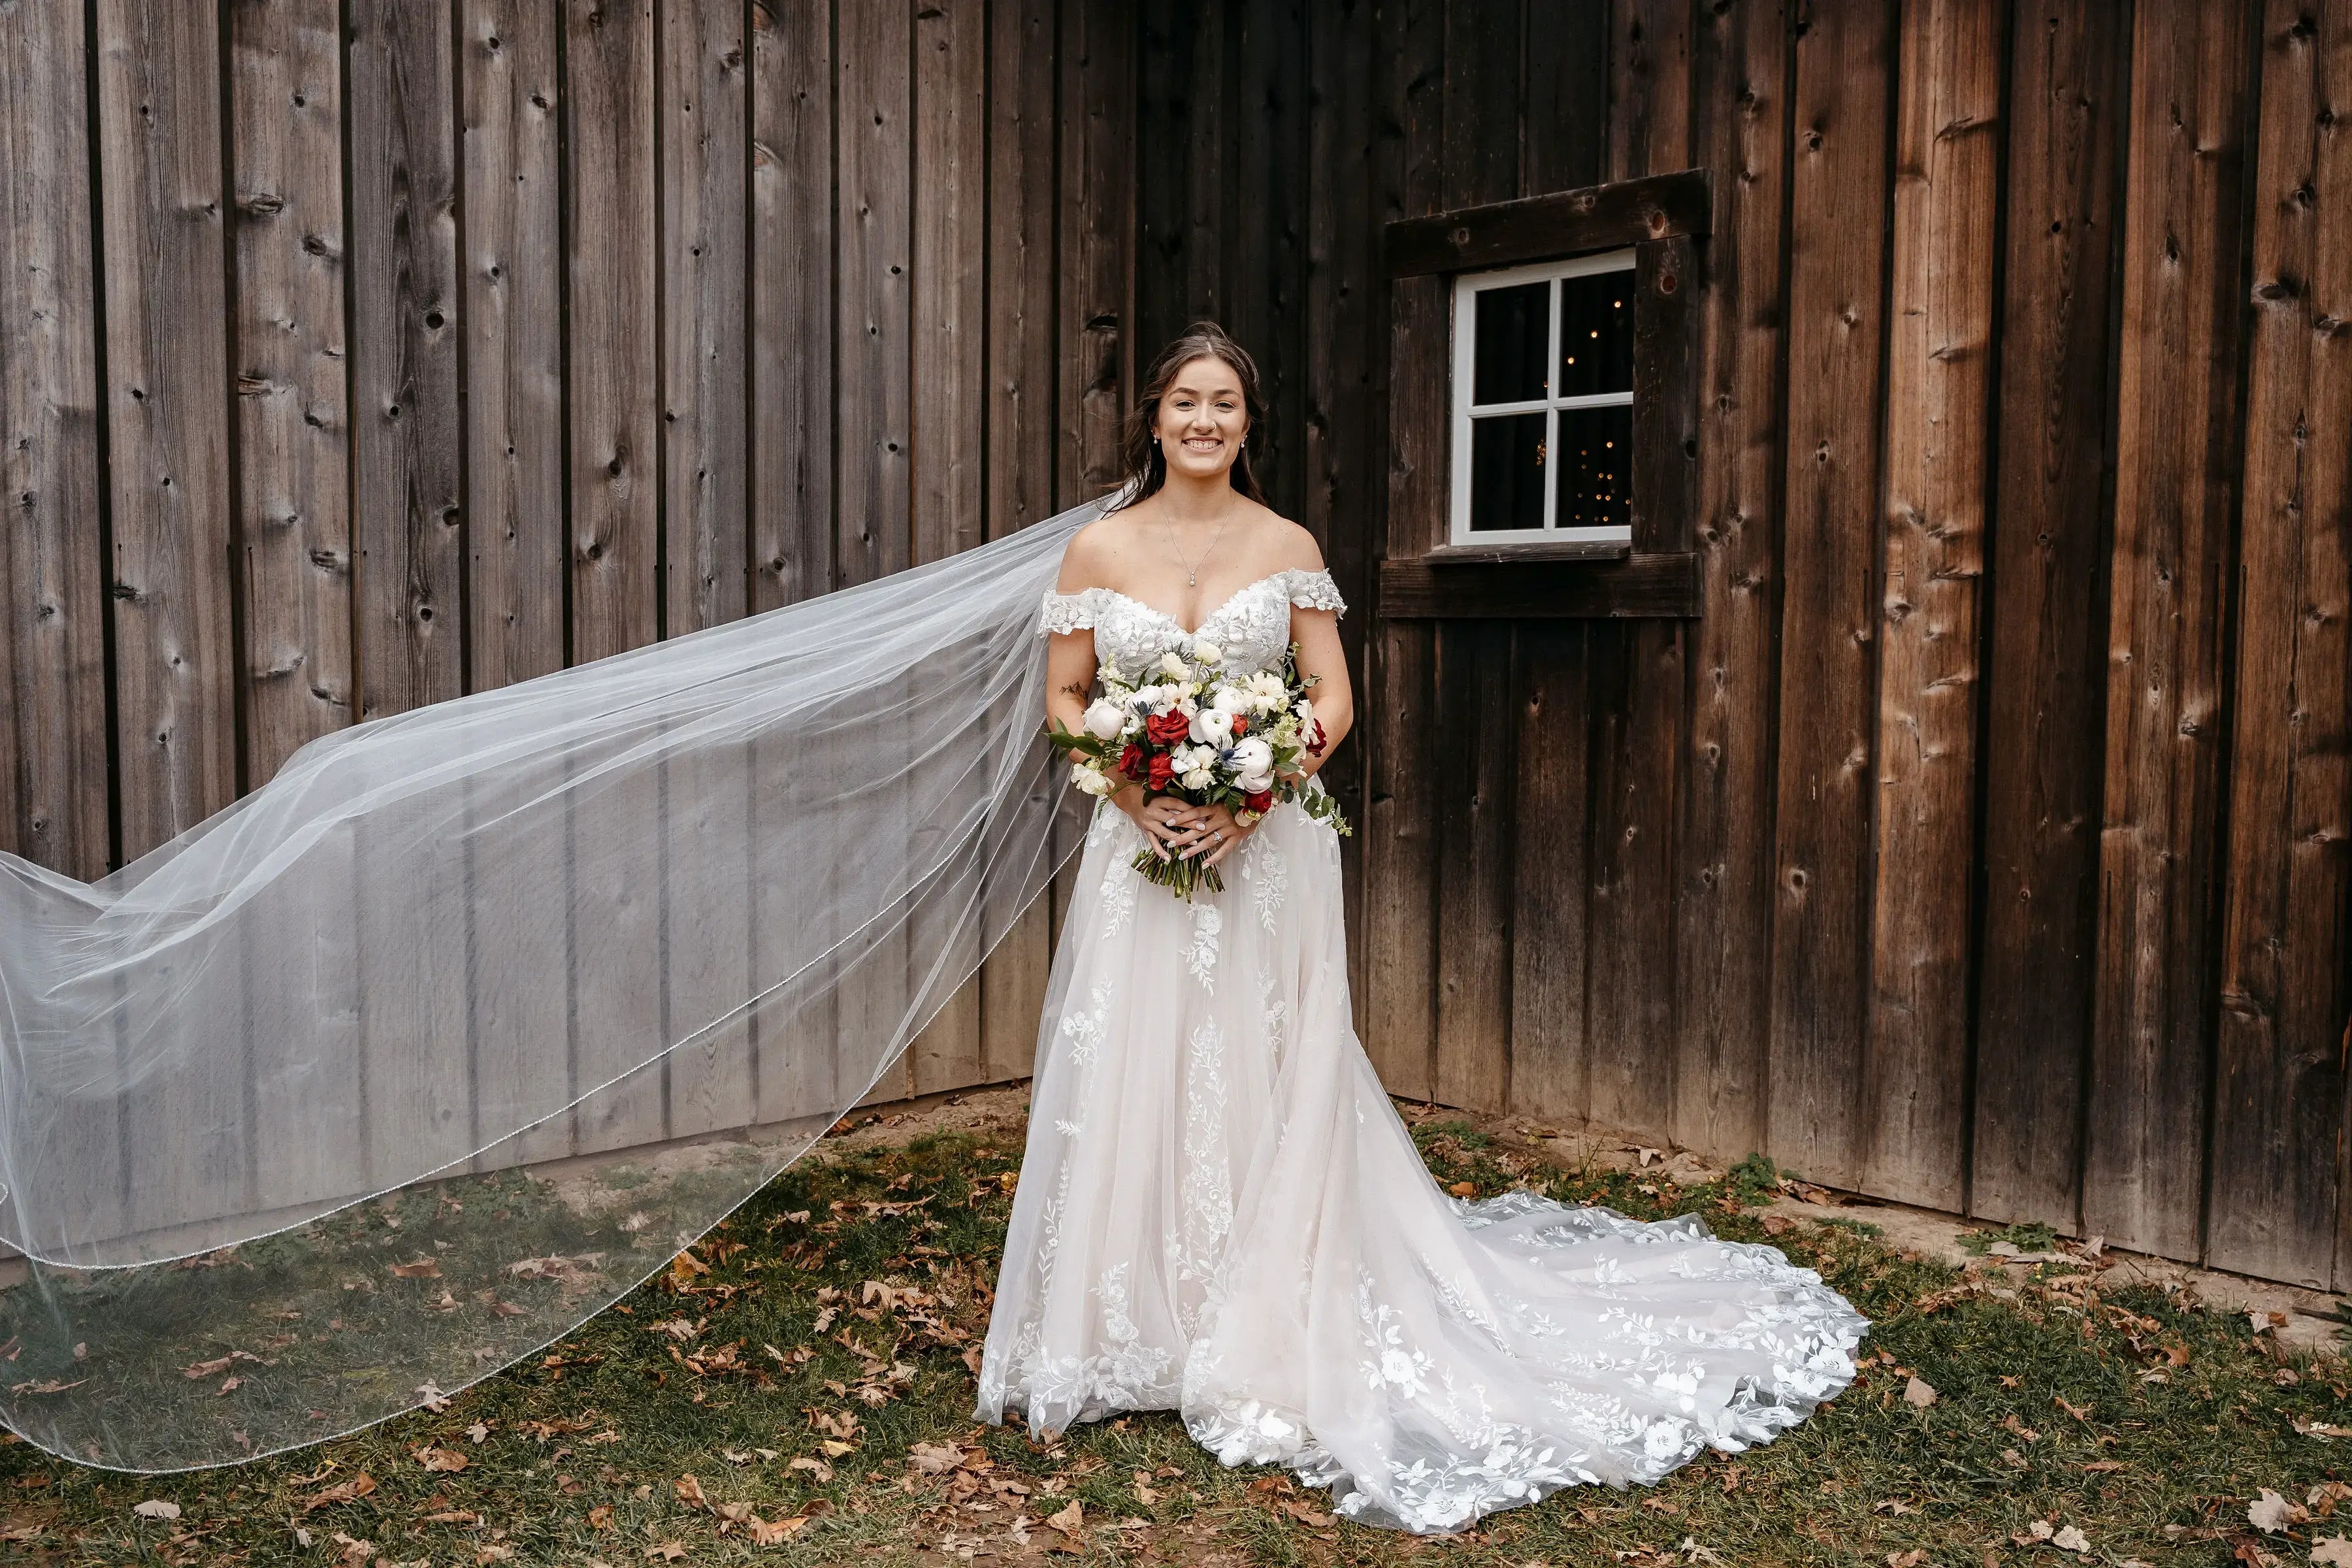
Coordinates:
(2332, 1551)
(423, 1268)
(2272, 1513)
(156, 1507)
(766, 1533)
(359, 1486)
(434, 1458)
(1918, 1393)
(689, 1493)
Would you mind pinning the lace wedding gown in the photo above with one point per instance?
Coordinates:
(1219, 1211)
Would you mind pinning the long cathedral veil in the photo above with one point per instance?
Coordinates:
(458, 1029)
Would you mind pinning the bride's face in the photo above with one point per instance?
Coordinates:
(1202, 419)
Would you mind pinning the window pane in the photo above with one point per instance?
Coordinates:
(1596, 333)
(1513, 336)
(1596, 450)
(1507, 471)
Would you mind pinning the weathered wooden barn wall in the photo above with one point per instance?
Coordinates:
(356, 355)
(1980, 843)
(1983, 842)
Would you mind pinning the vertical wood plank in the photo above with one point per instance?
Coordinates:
(1094, 270)
(614, 356)
(1260, 223)
(792, 253)
(612, 391)
(53, 740)
(2176, 450)
(1346, 378)
(410, 1023)
(52, 782)
(704, 68)
(875, 218)
(1566, 146)
(1018, 470)
(2044, 668)
(1635, 682)
(1550, 872)
(1820, 932)
(1947, 123)
(1400, 822)
(293, 454)
(2280, 1085)
(513, 325)
(162, 208)
(1722, 846)
(949, 395)
(511, 320)
(1472, 660)
(1097, 266)
(1168, 90)
(792, 247)
(408, 440)
(1474, 780)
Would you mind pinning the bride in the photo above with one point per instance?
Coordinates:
(1219, 1211)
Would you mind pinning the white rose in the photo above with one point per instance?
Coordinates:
(1232, 699)
(1304, 709)
(1253, 761)
(1104, 720)
(1173, 665)
(1205, 652)
(1088, 780)
(1212, 726)
(1199, 778)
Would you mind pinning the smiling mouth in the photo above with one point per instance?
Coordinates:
(1203, 441)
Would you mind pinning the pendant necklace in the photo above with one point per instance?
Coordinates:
(1191, 578)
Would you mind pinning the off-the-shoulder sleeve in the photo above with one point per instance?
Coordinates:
(1316, 591)
(1068, 612)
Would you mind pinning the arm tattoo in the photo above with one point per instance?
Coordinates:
(1076, 688)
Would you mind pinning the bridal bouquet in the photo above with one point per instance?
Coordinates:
(1188, 729)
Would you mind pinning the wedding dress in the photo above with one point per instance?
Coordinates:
(1221, 1213)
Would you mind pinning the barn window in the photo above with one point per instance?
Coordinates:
(1543, 403)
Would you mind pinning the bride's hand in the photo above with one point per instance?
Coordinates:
(1165, 820)
(1214, 835)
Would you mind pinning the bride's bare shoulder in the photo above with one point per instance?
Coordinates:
(1089, 559)
(1282, 543)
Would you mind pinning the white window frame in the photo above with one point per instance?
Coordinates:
(1467, 287)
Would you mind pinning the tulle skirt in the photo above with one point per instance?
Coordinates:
(1219, 1212)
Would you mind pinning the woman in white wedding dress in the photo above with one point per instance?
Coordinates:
(1219, 1211)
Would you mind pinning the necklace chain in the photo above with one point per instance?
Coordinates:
(1192, 579)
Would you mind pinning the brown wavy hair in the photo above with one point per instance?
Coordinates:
(1146, 464)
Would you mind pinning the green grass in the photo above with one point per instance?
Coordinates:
(2141, 1420)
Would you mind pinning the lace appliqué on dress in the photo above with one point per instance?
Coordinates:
(1201, 954)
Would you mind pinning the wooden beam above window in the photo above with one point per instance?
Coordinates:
(1504, 234)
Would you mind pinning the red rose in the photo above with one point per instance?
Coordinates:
(1261, 802)
(1163, 768)
(1315, 746)
(1166, 728)
(1132, 762)
(1240, 725)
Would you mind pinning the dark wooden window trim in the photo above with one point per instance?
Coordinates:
(1424, 575)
